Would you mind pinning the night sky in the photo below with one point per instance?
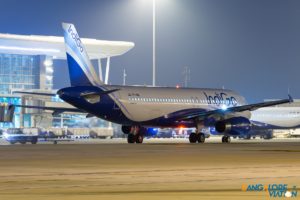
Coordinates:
(252, 47)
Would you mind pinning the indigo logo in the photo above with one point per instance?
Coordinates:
(76, 38)
(220, 99)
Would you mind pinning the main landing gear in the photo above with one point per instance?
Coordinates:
(197, 137)
(226, 139)
(131, 138)
(135, 134)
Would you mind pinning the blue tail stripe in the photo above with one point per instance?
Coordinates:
(77, 76)
(76, 51)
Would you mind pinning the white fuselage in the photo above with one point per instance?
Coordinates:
(147, 103)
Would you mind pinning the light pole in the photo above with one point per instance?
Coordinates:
(124, 77)
(153, 40)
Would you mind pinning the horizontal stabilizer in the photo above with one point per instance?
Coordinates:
(55, 110)
(35, 93)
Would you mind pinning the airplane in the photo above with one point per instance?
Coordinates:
(138, 107)
(264, 120)
(276, 117)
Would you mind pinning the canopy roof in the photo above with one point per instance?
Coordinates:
(54, 46)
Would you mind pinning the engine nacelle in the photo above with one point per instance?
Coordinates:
(233, 126)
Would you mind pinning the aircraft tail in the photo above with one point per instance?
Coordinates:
(81, 70)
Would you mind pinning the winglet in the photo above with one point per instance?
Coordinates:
(291, 99)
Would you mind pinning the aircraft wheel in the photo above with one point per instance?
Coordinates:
(139, 138)
(226, 139)
(131, 138)
(193, 138)
(201, 138)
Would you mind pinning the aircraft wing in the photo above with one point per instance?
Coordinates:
(222, 112)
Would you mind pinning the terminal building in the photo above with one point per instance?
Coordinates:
(26, 63)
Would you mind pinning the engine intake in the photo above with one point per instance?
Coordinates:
(233, 126)
(222, 126)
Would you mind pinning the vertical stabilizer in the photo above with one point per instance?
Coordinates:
(81, 70)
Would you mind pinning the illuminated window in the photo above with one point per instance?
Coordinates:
(19, 72)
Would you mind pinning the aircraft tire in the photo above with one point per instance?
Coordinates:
(201, 138)
(226, 139)
(193, 138)
(131, 138)
(139, 139)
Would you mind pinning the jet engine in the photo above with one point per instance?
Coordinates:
(233, 126)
